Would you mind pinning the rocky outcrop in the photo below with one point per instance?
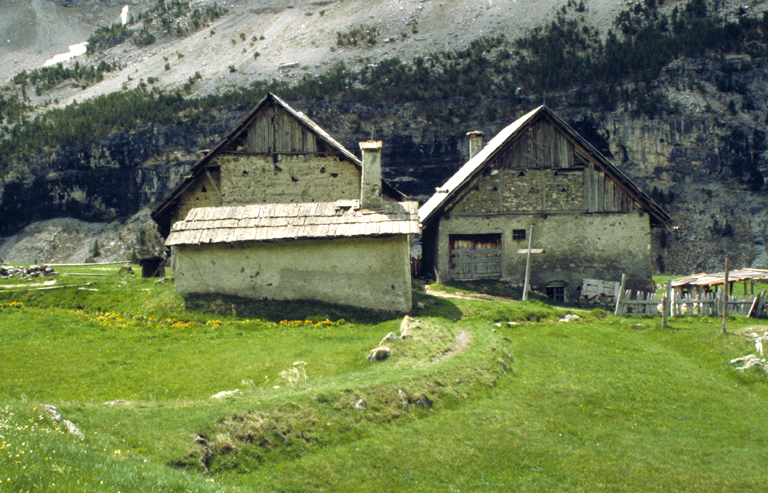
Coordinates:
(106, 180)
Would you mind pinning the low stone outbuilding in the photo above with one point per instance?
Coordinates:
(538, 182)
(335, 252)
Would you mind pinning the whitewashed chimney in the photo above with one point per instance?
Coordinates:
(370, 186)
(475, 142)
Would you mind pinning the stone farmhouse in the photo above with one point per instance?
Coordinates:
(280, 210)
(539, 193)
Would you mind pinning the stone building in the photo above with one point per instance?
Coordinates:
(280, 210)
(539, 183)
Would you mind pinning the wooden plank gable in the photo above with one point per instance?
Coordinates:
(275, 131)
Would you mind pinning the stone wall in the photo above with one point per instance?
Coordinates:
(249, 179)
(576, 246)
(200, 194)
(368, 272)
(518, 190)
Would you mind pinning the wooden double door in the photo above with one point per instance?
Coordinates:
(475, 256)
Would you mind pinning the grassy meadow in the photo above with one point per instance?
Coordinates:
(486, 395)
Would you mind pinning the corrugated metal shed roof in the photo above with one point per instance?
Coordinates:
(266, 222)
(704, 279)
(466, 172)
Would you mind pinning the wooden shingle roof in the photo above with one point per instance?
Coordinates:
(269, 222)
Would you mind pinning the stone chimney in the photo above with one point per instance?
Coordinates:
(475, 142)
(370, 185)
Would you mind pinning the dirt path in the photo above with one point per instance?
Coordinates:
(468, 296)
(462, 343)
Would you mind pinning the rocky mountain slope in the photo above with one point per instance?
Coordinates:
(701, 157)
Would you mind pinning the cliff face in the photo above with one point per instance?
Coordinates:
(112, 178)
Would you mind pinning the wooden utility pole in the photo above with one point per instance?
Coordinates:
(527, 265)
(725, 295)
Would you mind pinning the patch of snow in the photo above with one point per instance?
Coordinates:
(74, 50)
(124, 15)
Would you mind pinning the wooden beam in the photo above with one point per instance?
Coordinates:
(208, 173)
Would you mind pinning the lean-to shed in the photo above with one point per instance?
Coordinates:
(335, 252)
(539, 183)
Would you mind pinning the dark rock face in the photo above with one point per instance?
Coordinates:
(416, 169)
(112, 178)
(127, 171)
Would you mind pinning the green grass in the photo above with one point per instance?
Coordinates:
(530, 404)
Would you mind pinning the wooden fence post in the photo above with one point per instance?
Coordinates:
(618, 298)
(665, 307)
(725, 295)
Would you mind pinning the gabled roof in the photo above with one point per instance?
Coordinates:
(269, 222)
(162, 212)
(431, 208)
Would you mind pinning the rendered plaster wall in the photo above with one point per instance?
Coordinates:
(368, 272)
(200, 194)
(253, 179)
(576, 246)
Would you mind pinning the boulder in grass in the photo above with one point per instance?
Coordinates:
(226, 393)
(407, 326)
(390, 337)
(379, 353)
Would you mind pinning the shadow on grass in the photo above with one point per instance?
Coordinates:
(275, 311)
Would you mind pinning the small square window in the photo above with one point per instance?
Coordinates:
(518, 234)
(556, 293)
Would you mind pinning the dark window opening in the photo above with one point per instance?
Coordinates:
(555, 173)
(204, 190)
(334, 175)
(518, 234)
(245, 173)
(322, 170)
(522, 173)
(294, 179)
(278, 169)
(556, 293)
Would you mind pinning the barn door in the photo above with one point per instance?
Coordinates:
(475, 256)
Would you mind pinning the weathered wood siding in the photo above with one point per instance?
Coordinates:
(275, 131)
(544, 170)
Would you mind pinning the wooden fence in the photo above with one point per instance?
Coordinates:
(641, 304)
(710, 305)
(704, 305)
